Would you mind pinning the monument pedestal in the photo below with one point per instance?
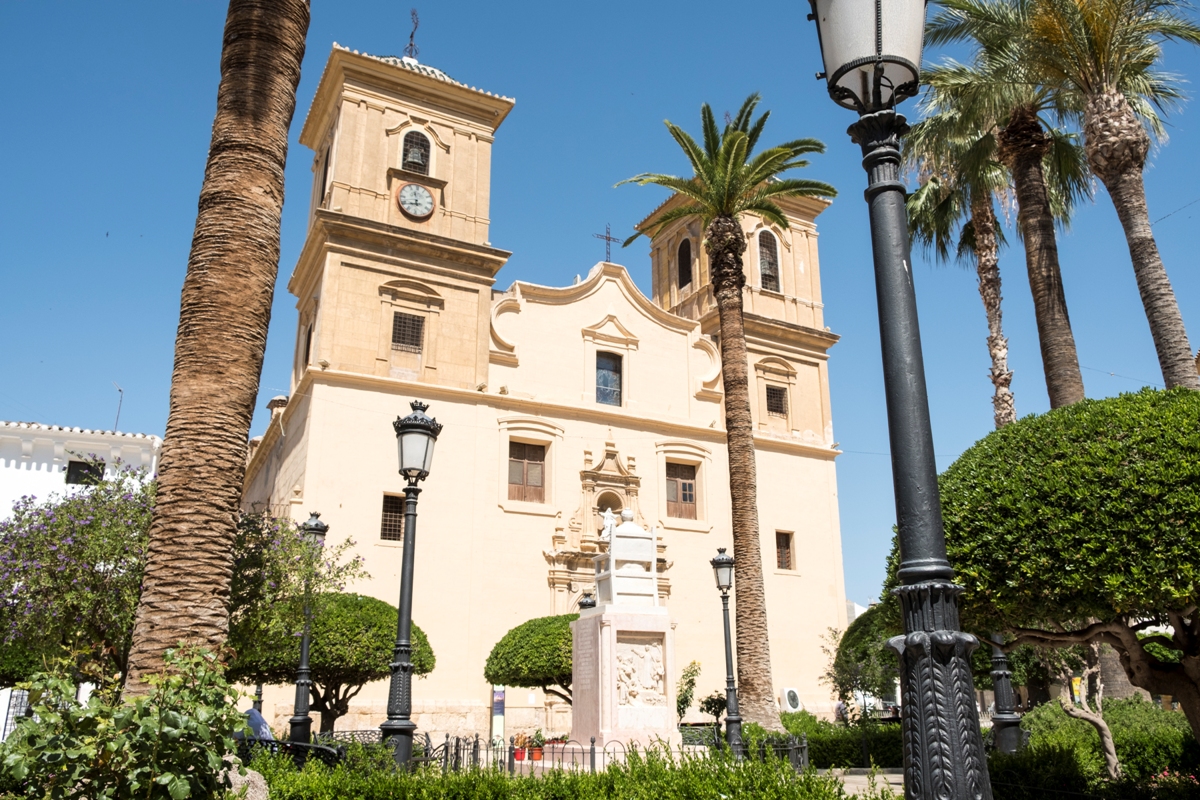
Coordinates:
(621, 688)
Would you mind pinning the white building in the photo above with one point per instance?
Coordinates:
(41, 460)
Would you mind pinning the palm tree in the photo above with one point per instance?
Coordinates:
(223, 317)
(1104, 51)
(728, 181)
(957, 151)
(955, 201)
(988, 91)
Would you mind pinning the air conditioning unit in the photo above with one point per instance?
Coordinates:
(791, 700)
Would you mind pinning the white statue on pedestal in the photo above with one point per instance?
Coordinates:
(610, 524)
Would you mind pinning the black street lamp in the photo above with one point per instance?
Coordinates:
(415, 435)
(301, 722)
(723, 572)
(872, 52)
(1006, 722)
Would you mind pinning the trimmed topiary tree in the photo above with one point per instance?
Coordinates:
(861, 661)
(353, 637)
(1079, 526)
(534, 655)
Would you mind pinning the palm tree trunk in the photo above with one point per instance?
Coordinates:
(223, 317)
(1023, 143)
(1117, 146)
(725, 244)
(987, 266)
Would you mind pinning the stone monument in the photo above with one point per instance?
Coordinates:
(623, 650)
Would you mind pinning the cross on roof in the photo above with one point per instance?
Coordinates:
(411, 48)
(608, 240)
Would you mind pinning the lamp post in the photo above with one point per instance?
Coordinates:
(1006, 722)
(301, 722)
(723, 573)
(872, 52)
(415, 435)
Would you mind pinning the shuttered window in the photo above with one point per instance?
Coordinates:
(681, 491)
(392, 527)
(527, 472)
(408, 332)
(783, 550)
(777, 401)
(768, 261)
(684, 262)
(608, 379)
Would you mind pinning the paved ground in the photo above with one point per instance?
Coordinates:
(856, 780)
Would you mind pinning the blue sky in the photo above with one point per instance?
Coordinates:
(106, 132)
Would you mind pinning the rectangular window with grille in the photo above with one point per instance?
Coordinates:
(681, 491)
(608, 379)
(777, 401)
(392, 527)
(527, 472)
(783, 550)
(408, 332)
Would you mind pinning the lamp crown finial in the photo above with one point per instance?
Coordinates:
(417, 405)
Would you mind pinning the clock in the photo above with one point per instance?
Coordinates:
(415, 200)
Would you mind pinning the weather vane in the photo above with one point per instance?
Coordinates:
(411, 49)
(608, 240)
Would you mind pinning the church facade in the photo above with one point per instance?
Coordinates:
(559, 403)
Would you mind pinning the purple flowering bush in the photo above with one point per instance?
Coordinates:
(71, 571)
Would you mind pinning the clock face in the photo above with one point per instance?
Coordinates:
(415, 200)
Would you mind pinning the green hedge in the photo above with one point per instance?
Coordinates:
(646, 776)
(831, 745)
(1148, 739)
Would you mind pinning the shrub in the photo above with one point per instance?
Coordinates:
(353, 637)
(534, 655)
(861, 745)
(1148, 739)
(646, 775)
(167, 745)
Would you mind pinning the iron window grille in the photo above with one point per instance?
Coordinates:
(527, 472)
(416, 153)
(681, 491)
(608, 379)
(783, 550)
(408, 332)
(768, 261)
(684, 262)
(85, 473)
(777, 401)
(391, 529)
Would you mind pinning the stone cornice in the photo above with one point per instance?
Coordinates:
(516, 405)
(485, 108)
(332, 230)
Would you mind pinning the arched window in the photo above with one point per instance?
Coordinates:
(684, 262)
(416, 153)
(768, 261)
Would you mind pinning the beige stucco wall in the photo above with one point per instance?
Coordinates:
(520, 365)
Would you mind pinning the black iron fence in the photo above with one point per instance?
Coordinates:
(462, 753)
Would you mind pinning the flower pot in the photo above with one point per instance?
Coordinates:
(535, 753)
(519, 754)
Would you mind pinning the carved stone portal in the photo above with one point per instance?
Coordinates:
(610, 482)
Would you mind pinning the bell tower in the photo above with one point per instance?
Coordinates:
(786, 338)
(396, 273)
